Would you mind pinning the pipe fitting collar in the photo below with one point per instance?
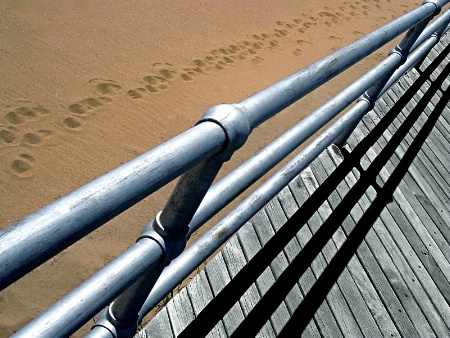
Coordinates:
(401, 52)
(366, 98)
(116, 328)
(233, 120)
(436, 3)
(171, 243)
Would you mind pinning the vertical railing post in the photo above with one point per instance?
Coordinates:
(171, 226)
(402, 50)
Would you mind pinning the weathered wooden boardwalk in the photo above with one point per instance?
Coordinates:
(358, 245)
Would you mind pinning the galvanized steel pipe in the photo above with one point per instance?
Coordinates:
(438, 25)
(76, 308)
(41, 235)
(265, 104)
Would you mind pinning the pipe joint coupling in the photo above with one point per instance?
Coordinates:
(401, 52)
(172, 243)
(366, 98)
(116, 328)
(232, 118)
(436, 3)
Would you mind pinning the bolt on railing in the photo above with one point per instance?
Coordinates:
(222, 130)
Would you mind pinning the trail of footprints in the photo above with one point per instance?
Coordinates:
(163, 75)
(16, 134)
(161, 78)
(83, 109)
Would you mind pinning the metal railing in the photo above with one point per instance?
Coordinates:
(139, 278)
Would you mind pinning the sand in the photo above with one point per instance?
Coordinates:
(86, 86)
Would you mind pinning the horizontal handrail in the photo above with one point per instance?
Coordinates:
(90, 206)
(41, 235)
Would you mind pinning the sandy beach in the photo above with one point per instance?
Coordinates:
(86, 86)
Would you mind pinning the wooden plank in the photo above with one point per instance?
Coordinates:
(420, 181)
(439, 68)
(335, 298)
(158, 327)
(436, 141)
(324, 317)
(430, 57)
(362, 269)
(218, 277)
(199, 289)
(290, 207)
(446, 83)
(436, 180)
(180, 311)
(235, 261)
(431, 169)
(265, 232)
(277, 219)
(427, 221)
(419, 246)
(251, 245)
(402, 281)
(201, 295)
(415, 277)
(395, 277)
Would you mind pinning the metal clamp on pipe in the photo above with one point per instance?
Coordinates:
(114, 328)
(171, 234)
(401, 52)
(171, 226)
(437, 3)
(233, 119)
(172, 243)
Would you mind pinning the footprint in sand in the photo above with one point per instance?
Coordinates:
(106, 87)
(279, 33)
(156, 83)
(257, 60)
(23, 166)
(153, 83)
(36, 139)
(165, 70)
(88, 105)
(7, 136)
(81, 110)
(219, 59)
(137, 93)
(73, 123)
(200, 67)
(24, 112)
